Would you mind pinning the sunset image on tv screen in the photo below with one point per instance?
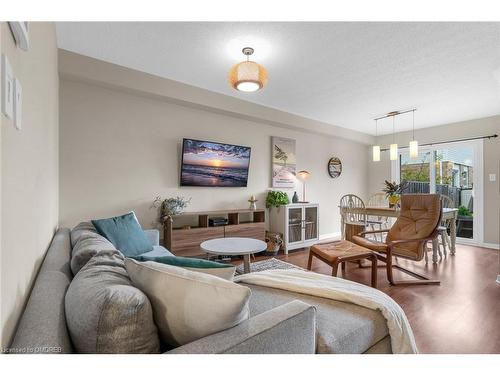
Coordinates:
(214, 164)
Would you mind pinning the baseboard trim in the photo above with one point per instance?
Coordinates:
(471, 242)
(490, 245)
(330, 236)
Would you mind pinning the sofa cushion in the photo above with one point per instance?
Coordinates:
(225, 271)
(105, 313)
(125, 233)
(88, 245)
(189, 305)
(82, 229)
(42, 326)
(343, 328)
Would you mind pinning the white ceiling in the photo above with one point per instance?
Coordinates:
(344, 74)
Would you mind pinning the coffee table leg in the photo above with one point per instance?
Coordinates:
(246, 263)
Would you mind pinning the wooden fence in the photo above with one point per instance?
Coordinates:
(418, 187)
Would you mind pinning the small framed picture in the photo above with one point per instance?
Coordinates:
(20, 30)
(334, 167)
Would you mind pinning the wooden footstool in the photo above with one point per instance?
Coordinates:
(333, 253)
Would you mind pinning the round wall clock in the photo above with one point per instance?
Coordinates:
(334, 167)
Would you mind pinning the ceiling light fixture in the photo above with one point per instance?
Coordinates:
(413, 143)
(394, 146)
(247, 76)
(376, 148)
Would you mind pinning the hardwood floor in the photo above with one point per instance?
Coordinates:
(461, 315)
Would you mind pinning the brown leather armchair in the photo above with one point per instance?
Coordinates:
(417, 224)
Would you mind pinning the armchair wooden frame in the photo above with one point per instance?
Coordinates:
(387, 259)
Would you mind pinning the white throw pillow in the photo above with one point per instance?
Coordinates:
(189, 305)
(226, 273)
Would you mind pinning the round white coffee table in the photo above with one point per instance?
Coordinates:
(235, 246)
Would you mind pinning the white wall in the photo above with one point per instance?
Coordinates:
(466, 129)
(119, 150)
(29, 164)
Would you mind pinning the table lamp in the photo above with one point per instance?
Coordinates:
(303, 176)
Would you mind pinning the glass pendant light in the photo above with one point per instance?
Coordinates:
(376, 148)
(393, 150)
(413, 143)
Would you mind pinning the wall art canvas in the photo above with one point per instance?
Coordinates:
(283, 162)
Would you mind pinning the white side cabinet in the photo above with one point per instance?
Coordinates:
(298, 222)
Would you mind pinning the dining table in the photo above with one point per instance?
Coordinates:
(448, 215)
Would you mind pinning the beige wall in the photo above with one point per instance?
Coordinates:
(29, 178)
(75, 66)
(491, 155)
(119, 150)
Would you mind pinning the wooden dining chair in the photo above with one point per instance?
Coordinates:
(446, 202)
(416, 225)
(379, 200)
(354, 218)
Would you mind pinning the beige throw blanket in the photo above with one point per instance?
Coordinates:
(402, 340)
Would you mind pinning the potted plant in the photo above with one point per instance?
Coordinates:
(464, 220)
(393, 191)
(276, 198)
(274, 242)
(169, 207)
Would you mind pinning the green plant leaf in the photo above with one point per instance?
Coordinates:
(276, 199)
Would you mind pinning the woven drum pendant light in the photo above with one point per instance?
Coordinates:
(247, 76)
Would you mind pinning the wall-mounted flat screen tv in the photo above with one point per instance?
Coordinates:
(206, 163)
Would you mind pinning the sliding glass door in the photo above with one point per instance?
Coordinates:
(453, 170)
(416, 171)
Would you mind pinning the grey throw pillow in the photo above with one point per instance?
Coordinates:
(84, 228)
(105, 313)
(88, 245)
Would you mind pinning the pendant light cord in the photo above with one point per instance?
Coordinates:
(393, 129)
(413, 134)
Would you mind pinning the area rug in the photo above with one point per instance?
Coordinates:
(268, 264)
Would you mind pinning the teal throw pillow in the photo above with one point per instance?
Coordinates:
(125, 233)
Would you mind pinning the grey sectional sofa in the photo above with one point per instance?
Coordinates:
(280, 321)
